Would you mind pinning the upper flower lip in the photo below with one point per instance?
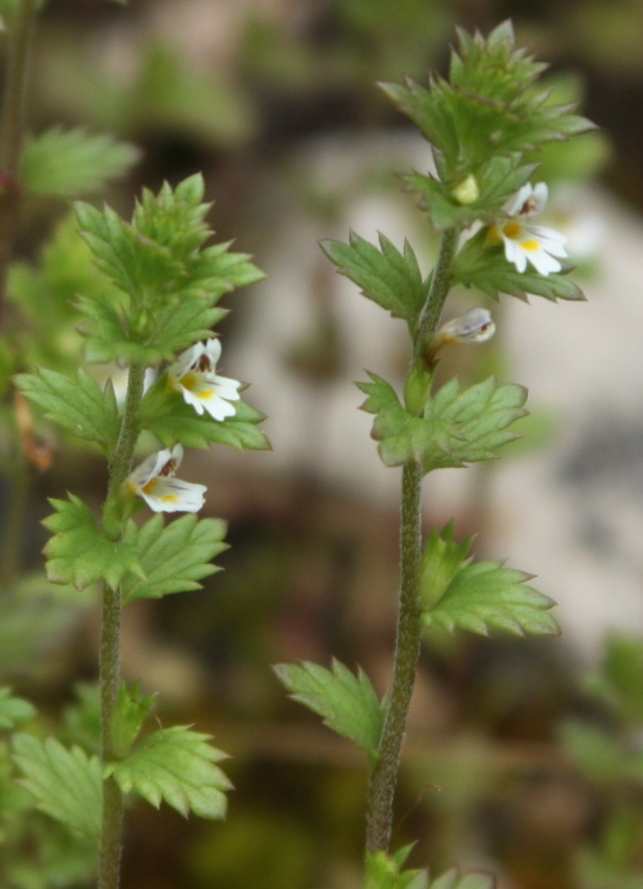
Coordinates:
(529, 201)
(194, 376)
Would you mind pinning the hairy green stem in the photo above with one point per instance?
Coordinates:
(12, 136)
(110, 680)
(384, 775)
(122, 463)
(383, 779)
(110, 649)
(432, 311)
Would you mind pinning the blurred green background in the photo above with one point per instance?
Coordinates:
(242, 91)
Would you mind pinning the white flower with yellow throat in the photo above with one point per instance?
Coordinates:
(525, 242)
(194, 376)
(154, 481)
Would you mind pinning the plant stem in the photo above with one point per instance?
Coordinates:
(383, 779)
(122, 463)
(430, 315)
(407, 651)
(12, 136)
(110, 680)
(110, 649)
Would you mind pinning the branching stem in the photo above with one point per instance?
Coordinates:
(379, 818)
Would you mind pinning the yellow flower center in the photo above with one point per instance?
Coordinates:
(150, 486)
(189, 381)
(512, 229)
(530, 245)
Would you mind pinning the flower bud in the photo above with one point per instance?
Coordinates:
(468, 191)
(142, 322)
(475, 326)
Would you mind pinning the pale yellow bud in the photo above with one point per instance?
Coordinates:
(468, 191)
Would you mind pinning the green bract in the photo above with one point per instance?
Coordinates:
(477, 596)
(166, 414)
(79, 552)
(347, 702)
(388, 277)
(482, 265)
(457, 427)
(176, 765)
(174, 558)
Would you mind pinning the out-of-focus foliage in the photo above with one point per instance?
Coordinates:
(70, 163)
(67, 784)
(609, 756)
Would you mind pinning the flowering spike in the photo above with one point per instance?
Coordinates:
(154, 481)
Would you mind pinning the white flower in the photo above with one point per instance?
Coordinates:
(154, 481)
(475, 326)
(193, 375)
(524, 241)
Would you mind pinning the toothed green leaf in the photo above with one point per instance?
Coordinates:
(391, 279)
(457, 427)
(481, 264)
(79, 405)
(67, 784)
(165, 413)
(346, 701)
(478, 596)
(80, 554)
(174, 558)
(176, 765)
